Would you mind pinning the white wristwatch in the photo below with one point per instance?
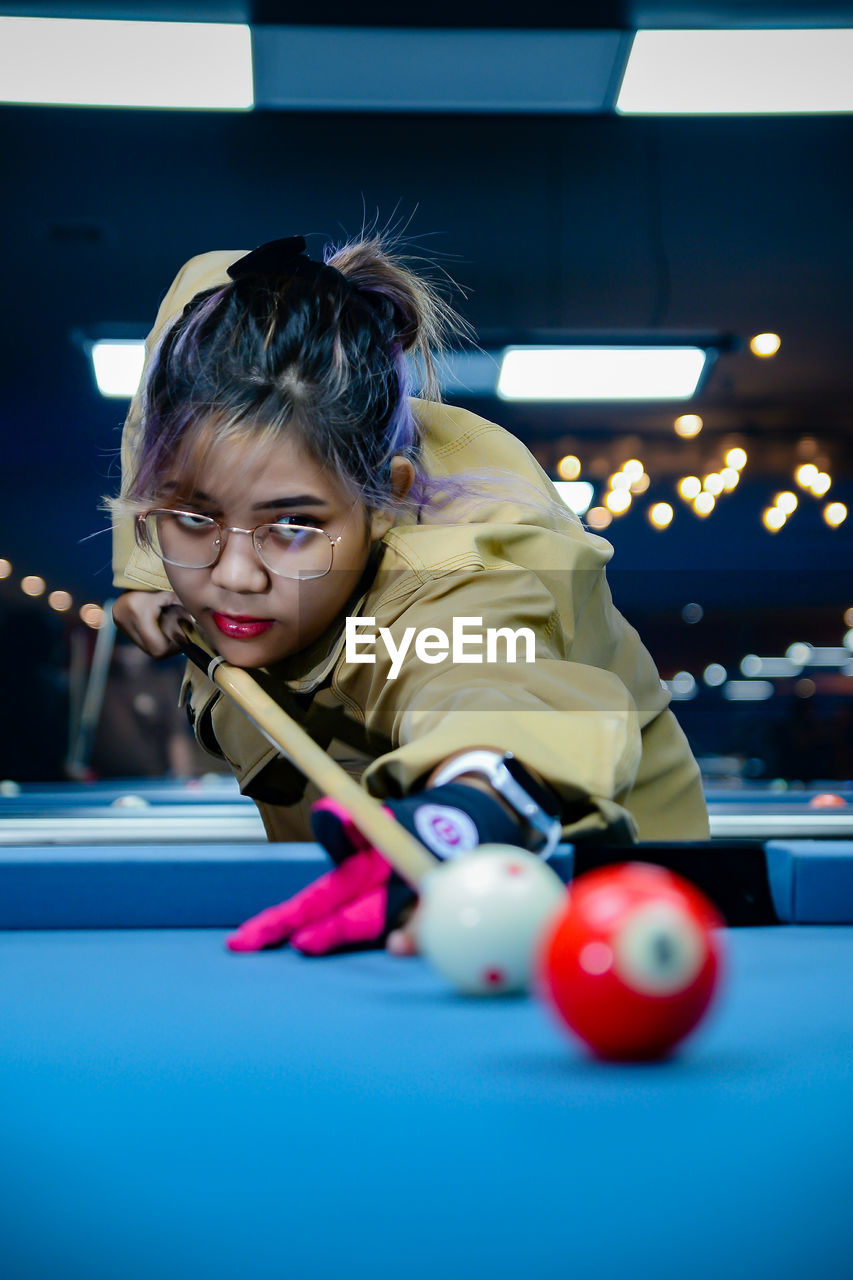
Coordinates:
(509, 778)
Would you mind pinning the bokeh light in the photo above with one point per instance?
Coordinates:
(688, 425)
(806, 475)
(92, 615)
(661, 515)
(765, 344)
(618, 501)
(569, 467)
(683, 685)
(33, 585)
(799, 653)
(835, 513)
(598, 517)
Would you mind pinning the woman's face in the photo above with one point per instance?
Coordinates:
(254, 617)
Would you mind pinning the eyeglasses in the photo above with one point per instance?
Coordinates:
(192, 541)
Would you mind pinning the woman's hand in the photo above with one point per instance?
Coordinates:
(150, 619)
(362, 900)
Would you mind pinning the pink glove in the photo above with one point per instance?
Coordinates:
(347, 906)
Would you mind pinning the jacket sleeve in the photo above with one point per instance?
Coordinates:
(575, 724)
(135, 568)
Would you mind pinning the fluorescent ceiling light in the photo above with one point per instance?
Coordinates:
(827, 657)
(742, 72)
(769, 668)
(118, 366)
(601, 373)
(747, 690)
(82, 62)
(577, 494)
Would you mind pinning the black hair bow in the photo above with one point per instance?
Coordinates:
(283, 258)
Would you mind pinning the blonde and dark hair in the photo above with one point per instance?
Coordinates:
(329, 357)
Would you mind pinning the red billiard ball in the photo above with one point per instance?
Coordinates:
(631, 962)
(827, 800)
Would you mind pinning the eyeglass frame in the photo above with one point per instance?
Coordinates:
(224, 530)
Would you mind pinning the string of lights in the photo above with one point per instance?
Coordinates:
(61, 601)
(701, 493)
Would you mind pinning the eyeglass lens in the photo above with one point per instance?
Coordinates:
(192, 541)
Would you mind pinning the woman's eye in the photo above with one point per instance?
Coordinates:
(291, 533)
(187, 520)
(306, 522)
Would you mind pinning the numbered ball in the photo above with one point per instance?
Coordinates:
(481, 915)
(631, 963)
(828, 800)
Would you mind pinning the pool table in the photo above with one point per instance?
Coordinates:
(169, 1110)
(212, 810)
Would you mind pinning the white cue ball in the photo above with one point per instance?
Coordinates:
(130, 802)
(480, 917)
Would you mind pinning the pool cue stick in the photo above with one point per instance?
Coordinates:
(93, 699)
(409, 858)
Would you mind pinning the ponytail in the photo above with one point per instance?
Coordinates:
(419, 317)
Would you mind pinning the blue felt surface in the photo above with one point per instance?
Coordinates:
(169, 1111)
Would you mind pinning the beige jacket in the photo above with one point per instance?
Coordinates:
(589, 713)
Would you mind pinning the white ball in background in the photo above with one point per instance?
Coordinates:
(130, 801)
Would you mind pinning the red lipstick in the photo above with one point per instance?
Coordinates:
(239, 628)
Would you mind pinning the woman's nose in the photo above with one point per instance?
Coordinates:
(238, 567)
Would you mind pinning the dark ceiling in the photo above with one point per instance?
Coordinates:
(553, 224)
